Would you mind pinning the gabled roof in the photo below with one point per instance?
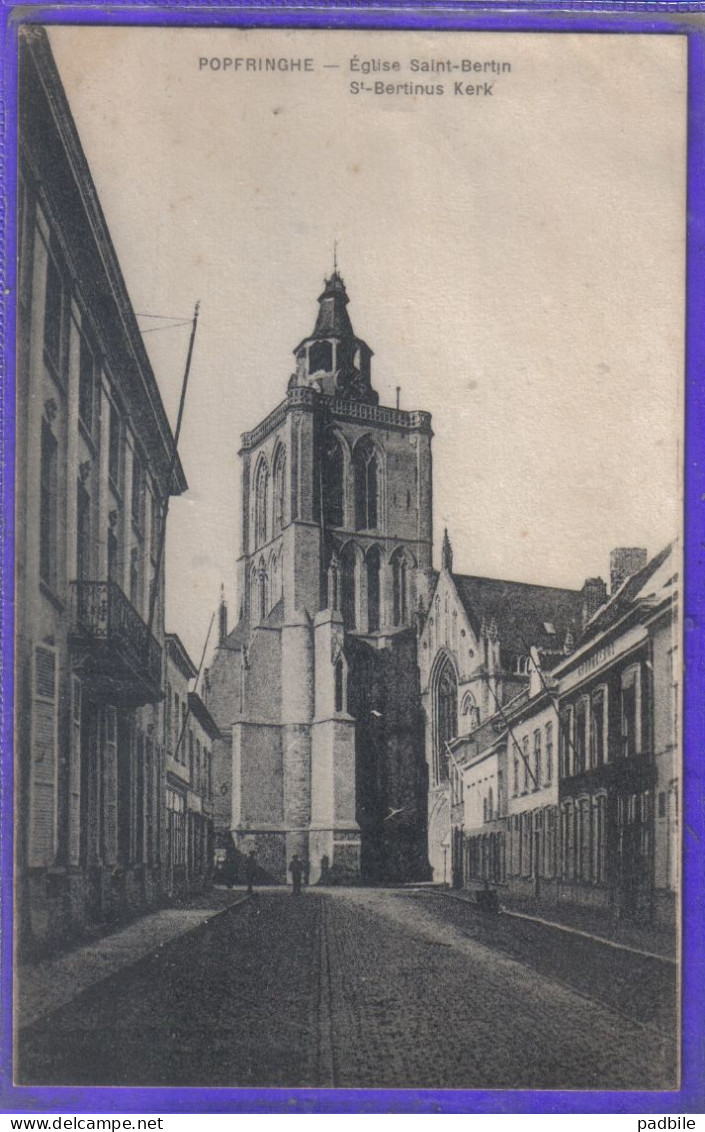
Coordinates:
(658, 577)
(522, 613)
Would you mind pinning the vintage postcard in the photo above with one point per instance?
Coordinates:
(349, 536)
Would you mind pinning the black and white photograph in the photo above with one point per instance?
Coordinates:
(350, 401)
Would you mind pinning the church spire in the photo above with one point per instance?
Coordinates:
(332, 359)
(333, 318)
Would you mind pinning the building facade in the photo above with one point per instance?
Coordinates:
(569, 792)
(478, 792)
(619, 758)
(474, 658)
(316, 688)
(509, 780)
(95, 464)
(532, 793)
(189, 734)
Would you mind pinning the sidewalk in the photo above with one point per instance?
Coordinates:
(42, 987)
(647, 939)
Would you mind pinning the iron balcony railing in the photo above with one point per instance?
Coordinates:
(102, 613)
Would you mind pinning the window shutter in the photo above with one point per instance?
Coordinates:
(75, 774)
(44, 761)
(110, 786)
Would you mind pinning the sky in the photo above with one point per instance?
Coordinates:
(515, 259)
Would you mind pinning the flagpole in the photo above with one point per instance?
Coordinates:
(172, 466)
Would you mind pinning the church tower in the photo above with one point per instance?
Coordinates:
(313, 689)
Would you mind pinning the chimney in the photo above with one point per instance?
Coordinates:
(594, 594)
(625, 561)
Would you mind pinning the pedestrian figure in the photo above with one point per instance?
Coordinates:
(325, 869)
(250, 870)
(487, 898)
(307, 872)
(296, 869)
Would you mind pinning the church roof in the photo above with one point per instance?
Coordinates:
(524, 614)
(237, 637)
(333, 319)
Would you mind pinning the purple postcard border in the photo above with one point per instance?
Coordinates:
(524, 15)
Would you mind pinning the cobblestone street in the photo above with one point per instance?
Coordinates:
(367, 988)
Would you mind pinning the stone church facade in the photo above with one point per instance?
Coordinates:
(316, 690)
(474, 650)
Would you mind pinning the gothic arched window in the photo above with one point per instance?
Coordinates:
(339, 685)
(261, 591)
(273, 578)
(445, 704)
(400, 591)
(366, 486)
(254, 605)
(471, 711)
(134, 577)
(332, 482)
(279, 479)
(334, 582)
(373, 564)
(261, 502)
(348, 586)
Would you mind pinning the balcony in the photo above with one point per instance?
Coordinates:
(113, 650)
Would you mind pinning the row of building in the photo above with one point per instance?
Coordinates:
(563, 785)
(113, 745)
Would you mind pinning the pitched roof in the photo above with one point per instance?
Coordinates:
(656, 577)
(236, 638)
(523, 613)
